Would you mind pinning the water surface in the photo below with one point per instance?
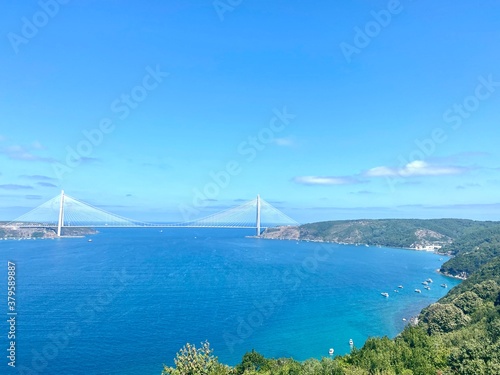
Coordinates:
(127, 301)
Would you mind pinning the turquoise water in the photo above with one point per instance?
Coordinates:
(127, 301)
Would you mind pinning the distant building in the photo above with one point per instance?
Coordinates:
(427, 247)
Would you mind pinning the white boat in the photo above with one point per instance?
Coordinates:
(429, 280)
(351, 342)
(90, 239)
(418, 291)
(444, 285)
(400, 287)
(385, 294)
(331, 351)
(425, 283)
(427, 287)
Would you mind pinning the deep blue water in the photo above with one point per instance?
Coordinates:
(126, 302)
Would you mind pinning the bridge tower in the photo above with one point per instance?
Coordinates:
(60, 222)
(258, 215)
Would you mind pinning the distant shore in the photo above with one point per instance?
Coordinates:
(42, 233)
(348, 243)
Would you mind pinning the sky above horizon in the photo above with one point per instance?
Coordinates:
(173, 110)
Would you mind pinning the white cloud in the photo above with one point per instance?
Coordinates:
(415, 168)
(381, 172)
(319, 180)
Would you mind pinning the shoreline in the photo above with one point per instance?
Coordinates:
(451, 276)
(36, 238)
(351, 244)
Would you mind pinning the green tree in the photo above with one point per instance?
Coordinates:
(441, 318)
(197, 361)
(468, 302)
(252, 361)
(487, 290)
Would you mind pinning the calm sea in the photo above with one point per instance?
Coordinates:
(126, 302)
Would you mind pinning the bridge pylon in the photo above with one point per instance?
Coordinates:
(257, 225)
(60, 222)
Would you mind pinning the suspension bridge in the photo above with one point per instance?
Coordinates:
(65, 211)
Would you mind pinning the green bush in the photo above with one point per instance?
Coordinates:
(192, 361)
(468, 302)
(442, 318)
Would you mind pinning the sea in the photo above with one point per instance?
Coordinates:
(129, 299)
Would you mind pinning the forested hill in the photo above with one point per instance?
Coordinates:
(472, 250)
(404, 233)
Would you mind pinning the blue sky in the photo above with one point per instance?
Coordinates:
(330, 110)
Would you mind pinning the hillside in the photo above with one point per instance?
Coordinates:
(471, 251)
(405, 233)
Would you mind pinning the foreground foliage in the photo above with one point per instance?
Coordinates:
(191, 360)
